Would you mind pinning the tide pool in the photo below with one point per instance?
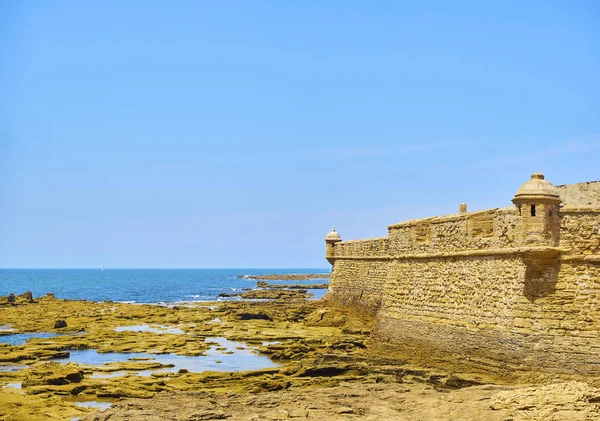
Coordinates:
(223, 355)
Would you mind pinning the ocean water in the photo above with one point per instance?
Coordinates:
(138, 285)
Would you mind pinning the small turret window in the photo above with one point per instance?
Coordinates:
(532, 210)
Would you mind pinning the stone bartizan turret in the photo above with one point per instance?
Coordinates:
(538, 201)
(331, 238)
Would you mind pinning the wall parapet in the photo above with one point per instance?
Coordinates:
(481, 233)
(370, 247)
(487, 229)
(580, 209)
(586, 193)
(548, 252)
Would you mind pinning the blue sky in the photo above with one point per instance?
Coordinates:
(234, 134)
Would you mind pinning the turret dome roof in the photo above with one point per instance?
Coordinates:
(538, 189)
(333, 235)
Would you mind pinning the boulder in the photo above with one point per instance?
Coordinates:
(53, 373)
(11, 298)
(27, 296)
(59, 324)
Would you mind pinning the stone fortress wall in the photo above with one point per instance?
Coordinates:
(503, 290)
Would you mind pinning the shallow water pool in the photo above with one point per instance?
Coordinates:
(102, 406)
(160, 329)
(317, 293)
(15, 339)
(10, 368)
(108, 375)
(226, 358)
(213, 321)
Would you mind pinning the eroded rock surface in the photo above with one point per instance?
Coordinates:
(370, 401)
(326, 368)
(53, 373)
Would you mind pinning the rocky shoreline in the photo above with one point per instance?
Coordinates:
(322, 367)
(265, 290)
(287, 277)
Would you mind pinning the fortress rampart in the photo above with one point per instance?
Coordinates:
(501, 290)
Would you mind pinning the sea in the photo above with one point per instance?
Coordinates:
(143, 286)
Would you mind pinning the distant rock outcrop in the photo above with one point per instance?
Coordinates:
(263, 284)
(287, 276)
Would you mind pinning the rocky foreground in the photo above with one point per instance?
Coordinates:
(327, 369)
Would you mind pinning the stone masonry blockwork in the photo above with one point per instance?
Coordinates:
(503, 290)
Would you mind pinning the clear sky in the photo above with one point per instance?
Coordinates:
(235, 133)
